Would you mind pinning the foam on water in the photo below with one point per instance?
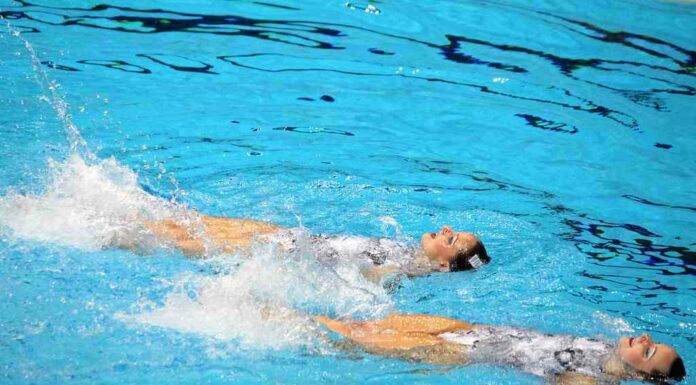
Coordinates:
(615, 324)
(263, 299)
(84, 205)
(87, 202)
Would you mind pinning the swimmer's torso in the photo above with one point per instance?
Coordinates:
(531, 351)
(336, 248)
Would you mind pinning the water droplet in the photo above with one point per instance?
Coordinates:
(371, 9)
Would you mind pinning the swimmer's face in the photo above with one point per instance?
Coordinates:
(646, 355)
(442, 247)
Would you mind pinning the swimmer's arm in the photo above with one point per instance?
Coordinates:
(572, 379)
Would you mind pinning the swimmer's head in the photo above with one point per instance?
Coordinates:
(655, 362)
(450, 250)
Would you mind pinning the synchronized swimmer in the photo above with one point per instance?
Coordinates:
(432, 339)
(562, 359)
(443, 251)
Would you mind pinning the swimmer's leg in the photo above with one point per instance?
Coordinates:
(202, 234)
(168, 229)
(182, 237)
(424, 323)
(336, 326)
(378, 337)
(401, 323)
(143, 237)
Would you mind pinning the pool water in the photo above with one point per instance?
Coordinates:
(561, 134)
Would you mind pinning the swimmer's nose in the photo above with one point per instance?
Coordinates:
(645, 339)
(446, 230)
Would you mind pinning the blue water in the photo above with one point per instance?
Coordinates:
(561, 134)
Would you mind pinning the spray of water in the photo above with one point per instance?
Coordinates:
(87, 206)
(264, 301)
(261, 298)
(53, 97)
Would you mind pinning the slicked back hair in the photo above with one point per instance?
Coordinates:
(462, 259)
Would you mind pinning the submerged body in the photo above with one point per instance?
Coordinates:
(561, 358)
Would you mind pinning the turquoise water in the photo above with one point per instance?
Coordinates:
(561, 134)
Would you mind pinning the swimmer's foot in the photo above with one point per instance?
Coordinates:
(274, 311)
(335, 326)
(122, 239)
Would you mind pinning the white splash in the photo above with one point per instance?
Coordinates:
(261, 299)
(371, 9)
(615, 324)
(264, 299)
(53, 97)
(88, 206)
(87, 202)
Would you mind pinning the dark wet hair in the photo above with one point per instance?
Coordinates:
(676, 372)
(462, 259)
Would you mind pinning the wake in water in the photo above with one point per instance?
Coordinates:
(260, 299)
(87, 203)
(264, 301)
(87, 206)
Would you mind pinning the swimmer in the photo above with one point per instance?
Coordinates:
(444, 251)
(562, 359)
